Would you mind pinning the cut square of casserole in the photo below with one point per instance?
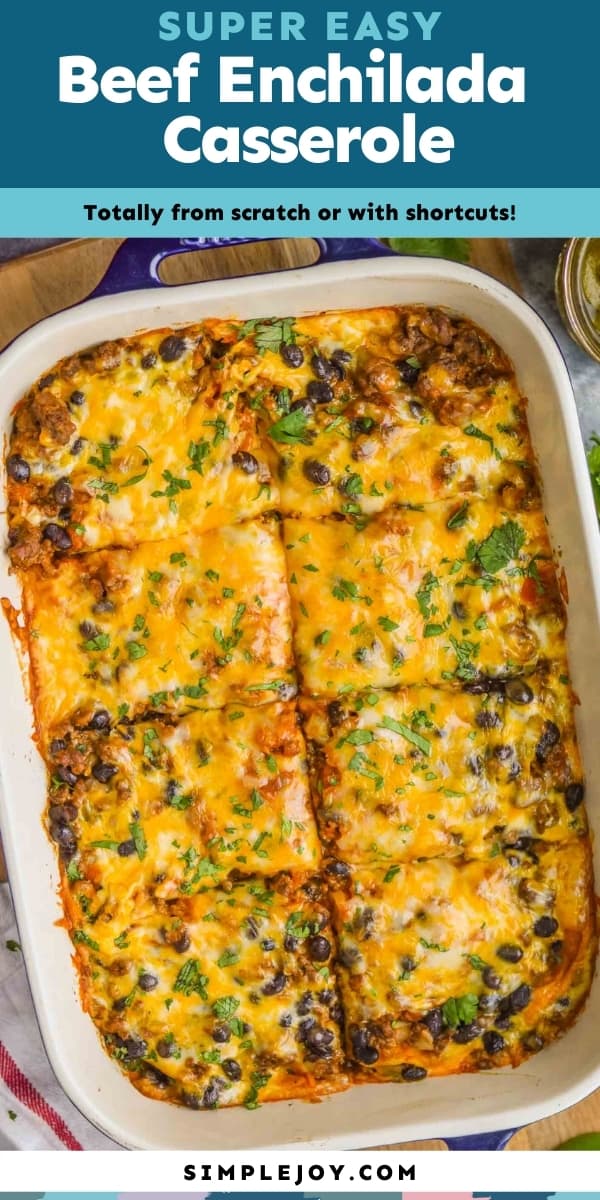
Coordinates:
(448, 966)
(163, 627)
(373, 407)
(131, 441)
(411, 774)
(454, 594)
(181, 807)
(225, 997)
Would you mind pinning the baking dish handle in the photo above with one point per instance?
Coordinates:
(481, 1141)
(136, 263)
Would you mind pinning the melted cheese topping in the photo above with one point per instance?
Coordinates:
(197, 517)
(418, 773)
(443, 595)
(435, 956)
(166, 626)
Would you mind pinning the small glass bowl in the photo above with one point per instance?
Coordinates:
(577, 286)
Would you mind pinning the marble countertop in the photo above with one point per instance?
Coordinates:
(535, 260)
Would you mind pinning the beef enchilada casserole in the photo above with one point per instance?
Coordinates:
(297, 657)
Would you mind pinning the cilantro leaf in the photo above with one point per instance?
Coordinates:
(460, 1010)
(406, 732)
(593, 458)
(290, 428)
(190, 979)
(500, 547)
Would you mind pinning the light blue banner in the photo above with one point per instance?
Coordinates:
(346, 212)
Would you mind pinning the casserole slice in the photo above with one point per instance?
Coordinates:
(131, 441)
(420, 772)
(452, 966)
(452, 595)
(224, 997)
(163, 627)
(182, 807)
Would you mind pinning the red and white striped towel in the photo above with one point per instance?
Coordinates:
(35, 1113)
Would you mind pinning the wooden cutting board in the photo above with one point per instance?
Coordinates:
(44, 283)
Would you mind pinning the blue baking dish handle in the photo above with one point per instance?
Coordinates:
(482, 1141)
(136, 263)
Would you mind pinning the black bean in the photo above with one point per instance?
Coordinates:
(147, 981)
(232, 1069)
(519, 999)
(305, 1003)
(77, 446)
(545, 927)
(326, 996)
(291, 354)
(135, 1046)
(62, 814)
(148, 359)
(63, 835)
(488, 1002)
(509, 952)
(475, 764)
(319, 391)
(274, 986)
(46, 381)
(338, 868)
(532, 1042)
(361, 425)
(318, 1041)
(319, 948)
(221, 1033)
(103, 771)
(166, 1047)
(408, 964)
(182, 943)
(88, 630)
(290, 943)
(316, 472)
(245, 461)
(503, 753)
(555, 950)
(487, 719)
(303, 405)
(156, 1077)
(268, 943)
(416, 410)
(550, 737)
(58, 535)
(212, 1093)
(286, 1020)
(491, 979)
(57, 744)
(411, 1073)
(574, 796)
(320, 367)
(459, 610)
(100, 719)
(409, 373)
(466, 1033)
(503, 1022)
(66, 775)
(104, 606)
(493, 1043)
(362, 1048)
(190, 1099)
(336, 713)
(518, 692)
(124, 849)
(252, 928)
(17, 468)
(76, 397)
(483, 685)
(171, 348)
(434, 1020)
(341, 355)
(62, 491)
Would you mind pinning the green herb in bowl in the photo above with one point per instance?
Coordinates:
(593, 457)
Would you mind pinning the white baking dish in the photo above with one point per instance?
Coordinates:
(372, 1114)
